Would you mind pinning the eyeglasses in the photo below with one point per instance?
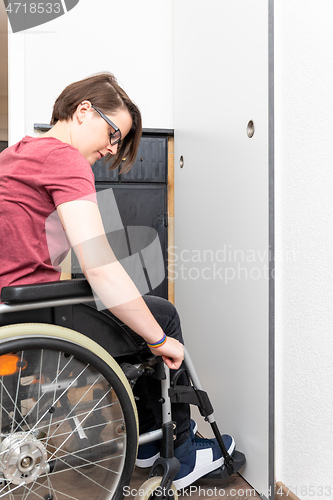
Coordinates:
(115, 137)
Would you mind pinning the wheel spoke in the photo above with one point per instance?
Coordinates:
(11, 489)
(29, 489)
(88, 462)
(85, 418)
(79, 401)
(17, 390)
(19, 424)
(70, 467)
(56, 400)
(60, 492)
(4, 487)
(87, 477)
(96, 426)
(40, 381)
(56, 422)
(43, 395)
(54, 393)
(51, 486)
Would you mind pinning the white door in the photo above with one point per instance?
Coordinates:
(223, 243)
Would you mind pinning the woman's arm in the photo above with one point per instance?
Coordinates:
(83, 224)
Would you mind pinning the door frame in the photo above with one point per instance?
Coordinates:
(271, 468)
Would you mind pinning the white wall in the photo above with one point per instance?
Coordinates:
(129, 38)
(304, 245)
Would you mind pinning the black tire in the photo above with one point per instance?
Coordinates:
(68, 421)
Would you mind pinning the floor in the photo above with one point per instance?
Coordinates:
(235, 488)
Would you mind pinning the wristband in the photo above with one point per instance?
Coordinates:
(159, 343)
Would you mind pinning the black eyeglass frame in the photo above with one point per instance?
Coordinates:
(116, 129)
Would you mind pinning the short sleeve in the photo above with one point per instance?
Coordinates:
(67, 176)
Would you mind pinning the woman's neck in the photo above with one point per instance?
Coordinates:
(61, 131)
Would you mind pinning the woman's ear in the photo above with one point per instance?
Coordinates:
(81, 111)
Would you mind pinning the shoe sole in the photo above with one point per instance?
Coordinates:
(146, 462)
(202, 471)
(149, 462)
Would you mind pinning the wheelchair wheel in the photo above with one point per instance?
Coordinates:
(149, 490)
(68, 421)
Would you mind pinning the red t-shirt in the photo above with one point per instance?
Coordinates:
(36, 175)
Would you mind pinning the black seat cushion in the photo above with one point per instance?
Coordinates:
(54, 290)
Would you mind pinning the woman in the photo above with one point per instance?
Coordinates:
(92, 118)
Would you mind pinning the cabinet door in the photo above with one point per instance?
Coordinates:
(145, 205)
(222, 209)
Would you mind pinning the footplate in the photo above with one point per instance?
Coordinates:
(222, 472)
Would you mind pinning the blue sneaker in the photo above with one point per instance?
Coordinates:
(149, 452)
(198, 457)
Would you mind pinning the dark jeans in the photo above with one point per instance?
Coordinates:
(148, 390)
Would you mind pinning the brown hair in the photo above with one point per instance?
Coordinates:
(103, 91)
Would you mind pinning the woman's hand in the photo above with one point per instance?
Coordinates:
(172, 353)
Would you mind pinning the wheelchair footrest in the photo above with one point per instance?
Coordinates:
(222, 473)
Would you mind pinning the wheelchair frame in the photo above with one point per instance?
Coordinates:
(165, 467)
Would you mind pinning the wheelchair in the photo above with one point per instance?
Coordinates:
(68, 418)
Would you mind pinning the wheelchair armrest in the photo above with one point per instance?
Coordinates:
(52, 290)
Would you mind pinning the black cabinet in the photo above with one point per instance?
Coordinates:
(140, 194)
(3, 145)
(150, 165)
